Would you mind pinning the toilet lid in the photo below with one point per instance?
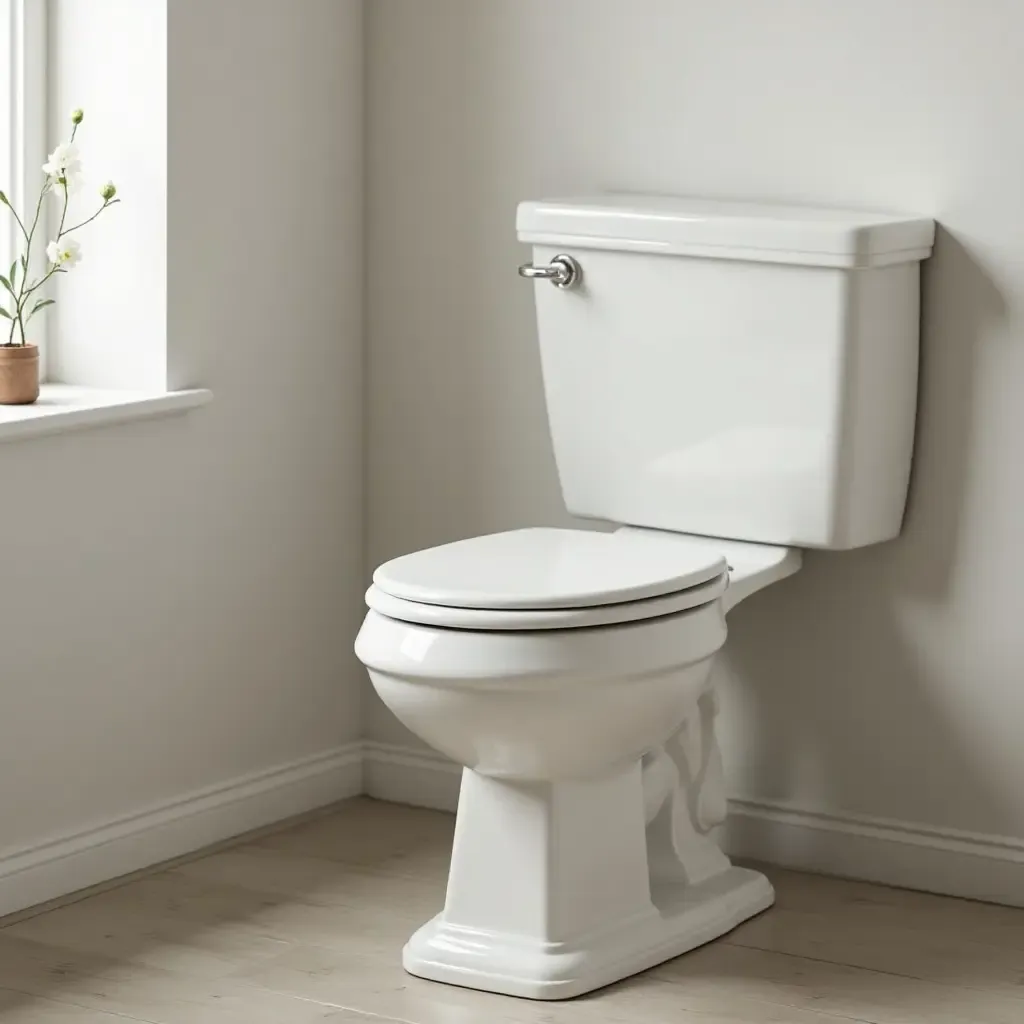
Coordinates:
(545, 569)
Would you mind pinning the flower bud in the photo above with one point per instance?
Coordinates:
(108, 191)
(77, 115)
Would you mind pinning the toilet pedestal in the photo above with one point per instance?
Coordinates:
(558, 888)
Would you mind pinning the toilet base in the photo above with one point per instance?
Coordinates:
(684, 917)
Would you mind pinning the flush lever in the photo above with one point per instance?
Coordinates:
(563, 271)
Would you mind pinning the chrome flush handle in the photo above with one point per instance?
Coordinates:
(563, 271)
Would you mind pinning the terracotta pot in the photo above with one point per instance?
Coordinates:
(19, 374)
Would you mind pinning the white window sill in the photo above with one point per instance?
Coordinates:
(62, 407)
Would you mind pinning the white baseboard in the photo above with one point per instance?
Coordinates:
(405, 775)
(74, 861)
(903, 854)
(897, 853)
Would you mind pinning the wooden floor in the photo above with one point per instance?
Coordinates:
(308, 924)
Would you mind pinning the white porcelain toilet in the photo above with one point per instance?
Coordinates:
(734, 382)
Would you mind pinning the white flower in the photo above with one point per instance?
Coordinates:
(64, 253)
(63, 164)
(71, 184)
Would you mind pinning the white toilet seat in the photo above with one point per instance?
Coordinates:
(494, 619)
(546, 579)
(547, 569)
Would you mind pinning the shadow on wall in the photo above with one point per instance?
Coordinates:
(829, 703)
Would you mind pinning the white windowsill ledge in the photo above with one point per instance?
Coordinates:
(63, 407)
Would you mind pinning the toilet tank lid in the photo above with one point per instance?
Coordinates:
(728, 229)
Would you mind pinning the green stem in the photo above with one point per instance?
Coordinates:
(21, 324)
(14, 214)
(39, 284)
(64, 212)
(23, 299)
(28, 262)
(15, 321)
(23, 302)
(75, 227)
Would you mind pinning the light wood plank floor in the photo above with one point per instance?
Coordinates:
(307, 924)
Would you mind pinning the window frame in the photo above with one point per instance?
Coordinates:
(30, 51)
(23, 120)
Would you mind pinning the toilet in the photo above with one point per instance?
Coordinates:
(731, 383)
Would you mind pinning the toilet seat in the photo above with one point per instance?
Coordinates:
(493, 619)
(539, 579)
(546, 569)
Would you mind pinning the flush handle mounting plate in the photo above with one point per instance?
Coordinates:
(563, 271)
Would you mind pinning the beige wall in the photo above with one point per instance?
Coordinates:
(180, 595)
(888, 682)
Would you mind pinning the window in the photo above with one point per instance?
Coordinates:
(116, 374)
(22, 111)
(7, 121)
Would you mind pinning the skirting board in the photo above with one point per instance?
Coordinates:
(87, 857)
(908, 855)
(903, 854)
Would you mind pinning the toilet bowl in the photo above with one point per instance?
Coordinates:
(567, 671)
(711, 369)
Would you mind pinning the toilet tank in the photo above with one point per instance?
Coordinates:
(731, 369)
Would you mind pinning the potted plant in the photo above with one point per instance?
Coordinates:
(21, 289)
